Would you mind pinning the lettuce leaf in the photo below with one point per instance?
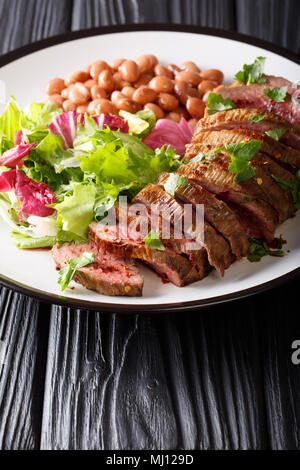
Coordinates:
(12, 120)
(25, 242)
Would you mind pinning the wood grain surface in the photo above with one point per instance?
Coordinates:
(221, 378)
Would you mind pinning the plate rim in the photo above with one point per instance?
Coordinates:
(135, 308)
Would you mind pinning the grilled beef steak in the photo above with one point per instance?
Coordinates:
(109, 275)
(216, 212)
(252, 96)
(241, 119)
(218, 250)
(256, 214)
(176, 268)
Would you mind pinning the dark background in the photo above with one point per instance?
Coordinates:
(220, 378)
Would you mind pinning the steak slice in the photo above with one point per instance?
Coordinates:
(109, 275)
(256, 214)
(158, 201)
(176, 268)
(241, 119)
(207, 142)
(216, 212)
(252, 96)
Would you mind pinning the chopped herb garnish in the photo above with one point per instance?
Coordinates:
(67, 273)
(152, 240)
(173, 182)
(260, 249)
(198, 158)
(276, 94)
(291, 185)
(258, 118)
(246, 199)
(216, 103)
(241, 155)
(275, 133)
(252, 73)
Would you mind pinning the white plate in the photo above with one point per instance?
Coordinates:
(32, 272)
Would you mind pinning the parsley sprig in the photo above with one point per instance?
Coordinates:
(67, 273)
(276, 94)
(276, 133)
(252, 73)
(241, 155)
(258, 118)
(152, 240)
(259, 249)
(216, 103)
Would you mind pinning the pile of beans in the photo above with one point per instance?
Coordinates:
(169, 91)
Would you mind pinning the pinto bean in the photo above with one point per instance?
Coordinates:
(167, 101)
(82, 109)
(161, 70)
(195, 107)
(128, 91)
(56, 99)
(144, 95)
(213, 75)
(190, 67)
(206, 85)
(106, 80)
(55, 86)
(146, 62)
(173, 68)
(155, 109)
(102, 106)
(129, 71)
(173, 116)
(161, 84)
(184, 91)
(191, 78)
(69, 105)
(80, 76)
(115, 64)
(144, 79)
(116, 96)
(193, 122)
(90, 83)
(97, 67)
(79, 94)
(97, 92)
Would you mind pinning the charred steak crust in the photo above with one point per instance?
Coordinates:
(218, 250)
(178, 269)
(216, 212)
(109, 275)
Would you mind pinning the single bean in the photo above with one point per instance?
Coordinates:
(167, 101)
(102, 106)
(144, 79)
(173, 116)
(146, 62)
(97, 92)
(213, 75)
(183, 91)
(97, 67)
(205, 96)
(128, 91)
(55, 86)
(106, 80)
(57, 99)
(115, 64)
(206, 85)
(155, 109)
(182, 112)
(116, 96)
(144, 95)
(190, 67)
(162, 70)
(191, 78)
(80, 76)
(68, 105)
(90, 83)
(79, 94)
(193, 122)
(195, 107)
(127, 104)
(173, 68)
(65, 92)
(87, 68)
(161, 84)
(82, 109)
(129, 71)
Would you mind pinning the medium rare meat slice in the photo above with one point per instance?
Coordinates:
(252, 96)
(216, 212)
(246, 196)
(176, 268)
(209, 141)
(241, 119)
(158, 201)
(109, 275)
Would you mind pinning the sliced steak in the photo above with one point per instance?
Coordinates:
(216, 212)
(214, 139)
(252, 96)
(176, 268)
(156, 199)
(241, 119)
(109, 275)
(248, 196)
(207, 142)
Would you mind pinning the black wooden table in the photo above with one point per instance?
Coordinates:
(221, 378)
